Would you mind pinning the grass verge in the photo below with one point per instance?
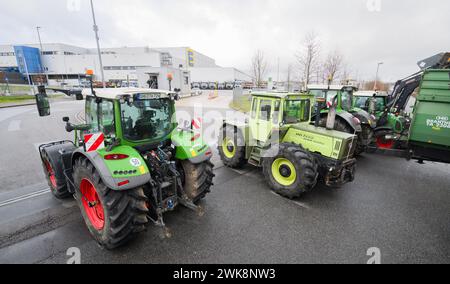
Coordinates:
(243, 104)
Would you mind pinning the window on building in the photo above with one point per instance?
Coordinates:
(7, 54)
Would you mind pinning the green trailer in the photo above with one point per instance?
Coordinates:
(428, 136)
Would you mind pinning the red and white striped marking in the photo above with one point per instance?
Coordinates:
(197, 123)
(94, 142)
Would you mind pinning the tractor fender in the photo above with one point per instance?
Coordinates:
(382, 129)
(365, 118)
(202, 152)
(196, 150)
(240, 126)
(59, 154)
(348, 118)
(105, 174)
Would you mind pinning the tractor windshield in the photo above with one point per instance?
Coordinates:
(363, 103)
(148, 119)
(346, 100)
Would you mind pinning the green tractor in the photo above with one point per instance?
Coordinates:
(374, 102)
(129, 164)
(293, 152)
(349, 118)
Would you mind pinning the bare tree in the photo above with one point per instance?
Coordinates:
(333, 66)
(308, 57)
(259, 67)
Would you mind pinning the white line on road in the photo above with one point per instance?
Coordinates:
(24, 197)
(14, 125)
(301, 204)
(298, 203)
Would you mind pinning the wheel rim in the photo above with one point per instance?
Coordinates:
(229, 148)
(284, 172)
(92, 205)
(51, 174)
(385, 144)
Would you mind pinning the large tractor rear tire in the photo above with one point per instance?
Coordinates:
(232, 147)
(292, 172)
(112, 217)
(197, 179)
(55, 176)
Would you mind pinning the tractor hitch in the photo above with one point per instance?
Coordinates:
(338, 176)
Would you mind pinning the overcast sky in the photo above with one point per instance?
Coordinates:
(396, 32)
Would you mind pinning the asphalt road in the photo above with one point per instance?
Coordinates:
(402, 208)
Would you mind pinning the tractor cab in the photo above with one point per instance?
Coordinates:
(342, 95)
(373, 102)
(278, 110)
(136, 116)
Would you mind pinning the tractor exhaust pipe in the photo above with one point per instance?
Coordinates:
(331, 119)
(372, 104)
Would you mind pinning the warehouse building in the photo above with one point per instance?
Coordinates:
(62, 64)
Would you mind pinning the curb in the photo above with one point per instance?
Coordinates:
(21, 105)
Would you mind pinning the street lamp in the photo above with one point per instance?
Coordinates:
(42, 52)
(376, 77)
(98, 45)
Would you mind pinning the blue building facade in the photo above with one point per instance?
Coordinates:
(28, 60)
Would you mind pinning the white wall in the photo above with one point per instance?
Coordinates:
(218, 74)
(180, 53)
(163, 84)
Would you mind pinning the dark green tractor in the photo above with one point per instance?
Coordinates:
(349, 118)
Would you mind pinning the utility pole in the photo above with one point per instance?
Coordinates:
(98, 45)
(375, 87)
(42, 53)
(278, 73)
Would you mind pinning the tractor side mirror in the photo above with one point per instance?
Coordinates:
(43, 104)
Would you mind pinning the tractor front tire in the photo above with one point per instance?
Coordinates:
(232, 147)
(197, 179)
(112, 217)
(292, 172)
(55, 177)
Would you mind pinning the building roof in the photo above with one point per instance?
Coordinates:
(115, 93)
(282, 95)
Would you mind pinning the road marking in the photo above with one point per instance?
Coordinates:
(298, 203)
(302, 205)
(14, 125)
(24, 197)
